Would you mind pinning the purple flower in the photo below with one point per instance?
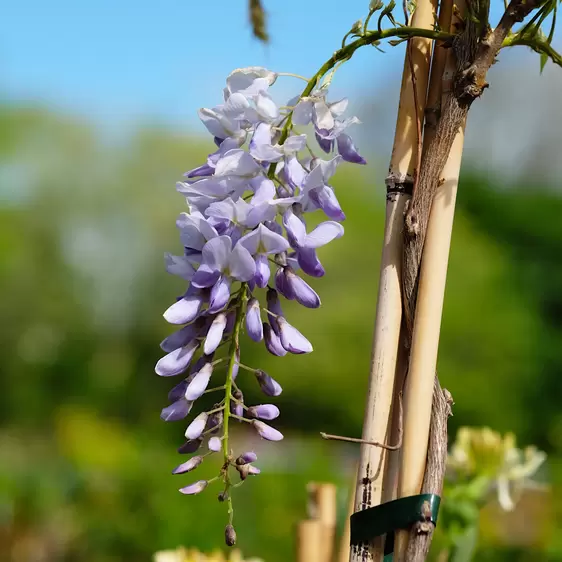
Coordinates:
(188, 466)
(185, 309)
(268, 385)
(273, 306)
(214, 444)
(267, 432)
(196, 427)
(272, 341)
(236, 405)
(302, 291)
(253, 320)
(215, 333)
(195, 488)
(264, 411)
(199, 383)
(176, 361)
(246, 458)
(218, 257)
(176, 411)
(190, 447)
(291, 339)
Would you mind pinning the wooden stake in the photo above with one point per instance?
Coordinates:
(343, 555)
(323, 508)
(310, 534)
(418, 392)
(389, 306)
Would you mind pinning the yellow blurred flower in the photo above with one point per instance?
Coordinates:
(192, 555)
(482, 452)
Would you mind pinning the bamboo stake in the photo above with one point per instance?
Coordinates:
(310, 534)
(323, 508)
(418, 392)
(432, 108)
(389, 306)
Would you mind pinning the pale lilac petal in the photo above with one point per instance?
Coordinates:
(261, 147)
(268, 385)
(250, 241)
(326, 199)
(194, 488)
(205, 277)
(177, 361)
(282, 284)
(216, 253)
(250, 78)
(323, 234)
(199, 383)
(253, 320)
(261, 278)
(196, 427)
(253, 470)
(302, 113)
(190, 447)
(291, 339)
(188, 466)
(185, 310)
(274, 306)
(264, 411)
(267, 432)
(337, 108)
(214, 444)
(322, 116)
(242, 265)
(237, 162)
(271, 242)
(302, 291)
(212, 121)
(264, 189)
(266, 106)
(294, 172)
(220, 293)
(215, 333)
(296, 229)
(235, 106)
(180, 266)
(308, 261)
(294, 143)
(348, 150)
(176, 411)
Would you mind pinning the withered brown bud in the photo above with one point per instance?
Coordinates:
(229, 535)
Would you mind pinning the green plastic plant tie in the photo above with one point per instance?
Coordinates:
(397, 514)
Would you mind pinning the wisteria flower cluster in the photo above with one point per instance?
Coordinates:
(245, 231)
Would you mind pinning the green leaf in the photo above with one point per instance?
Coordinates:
(544, 59)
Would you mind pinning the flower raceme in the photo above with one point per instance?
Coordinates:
(247, 207)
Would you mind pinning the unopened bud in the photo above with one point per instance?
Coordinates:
(229, 535)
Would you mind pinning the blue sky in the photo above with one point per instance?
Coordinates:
(119, 61)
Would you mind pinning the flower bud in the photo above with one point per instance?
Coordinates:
(214, 444)
(197, 426)
(264, 411)
(199, 383)
(188, 466)
(190, 446)
(229, 535)
(195, 488)
(268, 385)
(246, 458)
(223, 496)
(267, 432)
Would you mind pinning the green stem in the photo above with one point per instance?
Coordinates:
(234, 346)
(347, 52)
(537, 46)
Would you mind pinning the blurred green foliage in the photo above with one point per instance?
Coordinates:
(85, 461)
